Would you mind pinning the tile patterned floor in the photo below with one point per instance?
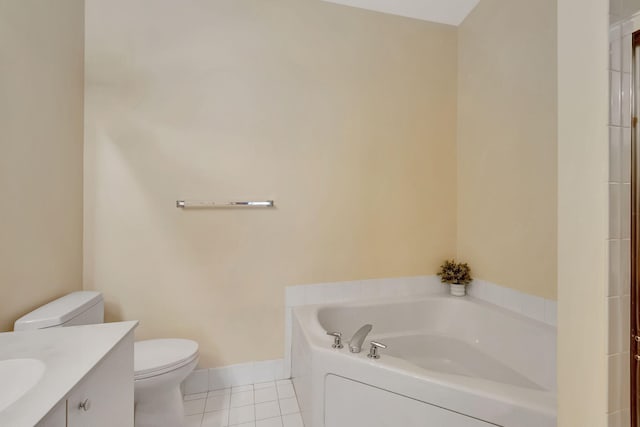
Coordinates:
(271, 404)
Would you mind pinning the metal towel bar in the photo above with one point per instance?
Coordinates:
(183, 204)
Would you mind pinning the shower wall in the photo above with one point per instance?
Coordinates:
(618, 300)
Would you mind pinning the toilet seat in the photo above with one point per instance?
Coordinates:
(159, 356)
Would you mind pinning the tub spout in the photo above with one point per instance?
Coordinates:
(355, 345)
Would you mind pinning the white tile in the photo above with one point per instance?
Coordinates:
(551, 312)
(267, 410)
(265, 370)
(511, 300)
(294, 296)
(615, 266)
(292, 420)
(625, 156)
(625, 374)
(249, 424)
(283, 370)
(195, 396)
(625, 269)
(241, 374)
(219, 392)
(614, 95)
(285, 391)
(270, 422)
(241, 388)
(288, 331)
(533, 307)
(615, 32)
(243, 398)
(265, 394)
(220, 378)
(289, 406)
(493, 293)
(625, 211)
(615, 382)
(625, 100)
(614, 211)
(615, 150)
(312, 294)
(197, 382)
(615, 325)
(627, 50)
(613, 419)
(216, 419)
(243, 414)
(228, 376)
(192, 407)
(625, 305)
(615, 52)
(267, 384)
(626, 417)
(217, 402)
(193, 420)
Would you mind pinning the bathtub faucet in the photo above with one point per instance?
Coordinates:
(355, 345)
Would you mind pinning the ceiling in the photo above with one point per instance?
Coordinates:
(450, 12)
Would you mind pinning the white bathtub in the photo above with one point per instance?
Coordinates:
(450, 362)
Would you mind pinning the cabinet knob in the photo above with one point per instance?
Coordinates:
(85, 405)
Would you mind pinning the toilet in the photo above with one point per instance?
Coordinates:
(160, 365)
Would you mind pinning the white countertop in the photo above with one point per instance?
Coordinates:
(69, 355)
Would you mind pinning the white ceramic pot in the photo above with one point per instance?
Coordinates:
(458, 290)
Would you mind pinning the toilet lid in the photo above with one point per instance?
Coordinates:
(162, 354)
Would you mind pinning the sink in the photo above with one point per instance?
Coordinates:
(17, 377)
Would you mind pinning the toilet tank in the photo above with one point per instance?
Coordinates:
(76, 308)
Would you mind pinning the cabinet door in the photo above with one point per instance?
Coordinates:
(104, 398)
(56, 418)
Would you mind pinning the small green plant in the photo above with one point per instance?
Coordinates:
(456, 273)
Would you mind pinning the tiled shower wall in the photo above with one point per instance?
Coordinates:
(619, 222)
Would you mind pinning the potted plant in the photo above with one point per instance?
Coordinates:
(457, 274)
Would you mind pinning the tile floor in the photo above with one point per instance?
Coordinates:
(270, 404)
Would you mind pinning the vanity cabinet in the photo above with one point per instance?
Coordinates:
(104, 397)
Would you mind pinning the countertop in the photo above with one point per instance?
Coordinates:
(69, 355)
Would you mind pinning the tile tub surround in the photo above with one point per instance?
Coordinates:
(619, 180)
(266, 404)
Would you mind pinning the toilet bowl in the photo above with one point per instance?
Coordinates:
(160, 365)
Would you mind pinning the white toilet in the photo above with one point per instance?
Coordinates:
(160, 365)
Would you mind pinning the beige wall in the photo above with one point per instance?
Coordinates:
(345, 117)
(582, 212)
(41, 82)
(507, 144)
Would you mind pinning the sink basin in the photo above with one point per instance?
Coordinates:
(17, 377)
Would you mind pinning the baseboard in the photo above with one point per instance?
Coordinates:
(202, 380)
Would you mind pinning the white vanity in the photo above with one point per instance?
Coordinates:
(73, 376)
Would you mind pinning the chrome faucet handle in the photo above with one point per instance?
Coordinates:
(373, 352)
(337, 339)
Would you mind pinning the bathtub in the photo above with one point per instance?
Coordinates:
(449, 362)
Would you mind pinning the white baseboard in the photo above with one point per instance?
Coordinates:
(202, 380)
